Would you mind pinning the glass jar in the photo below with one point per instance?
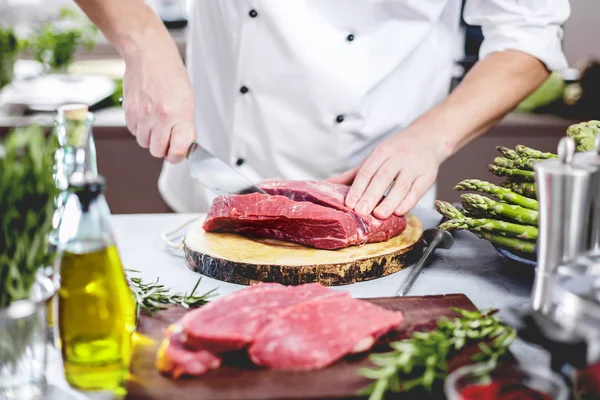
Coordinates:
(483, 381)
(23, 350)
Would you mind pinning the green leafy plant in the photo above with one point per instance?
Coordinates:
(27, 193)
(422, 360)
(11, 48)
(56, 42)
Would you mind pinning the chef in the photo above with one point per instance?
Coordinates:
(355, 91)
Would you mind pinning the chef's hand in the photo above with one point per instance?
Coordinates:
(159, 101)
(407, 160)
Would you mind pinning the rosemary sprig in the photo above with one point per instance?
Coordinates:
(421, 361)
(152, 297)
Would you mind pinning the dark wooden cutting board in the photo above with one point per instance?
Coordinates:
(339, 381)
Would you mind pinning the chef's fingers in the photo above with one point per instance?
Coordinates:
(364, 175)
(384, 176)
(182, 136)
(419, 187)
(345, 178)
(159, 140)
(130, 120)
(142, 134)
(393, 199)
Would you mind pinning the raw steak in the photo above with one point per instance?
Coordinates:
(310, 213)
(277, 217)
(231, 323)
(175, 359)
(316, 333)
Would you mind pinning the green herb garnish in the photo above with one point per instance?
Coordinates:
(152, 297)
(27, 193)
(422, 360)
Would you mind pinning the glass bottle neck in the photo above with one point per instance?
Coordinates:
(78, 149)
(85, 226)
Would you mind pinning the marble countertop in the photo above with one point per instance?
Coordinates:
(472, 266)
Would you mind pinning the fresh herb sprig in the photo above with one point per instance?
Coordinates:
(422, 360)
(152, 297)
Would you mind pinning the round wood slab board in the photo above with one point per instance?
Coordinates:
(243, 260)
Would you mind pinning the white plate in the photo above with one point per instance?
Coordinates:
(47, 92)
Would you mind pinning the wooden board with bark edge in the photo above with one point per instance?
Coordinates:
(238, 259)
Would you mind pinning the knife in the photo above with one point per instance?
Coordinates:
(216, 175)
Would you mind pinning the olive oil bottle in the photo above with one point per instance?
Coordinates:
(73, 130)
(96, 308)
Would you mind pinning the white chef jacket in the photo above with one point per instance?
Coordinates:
(305, 89)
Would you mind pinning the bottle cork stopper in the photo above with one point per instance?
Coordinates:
(74, 111)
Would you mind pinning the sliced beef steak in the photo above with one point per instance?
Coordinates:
(231, 323)
(316, 333)
(176, 359)
(310, 213)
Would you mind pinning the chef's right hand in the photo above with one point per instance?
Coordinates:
(159, 101)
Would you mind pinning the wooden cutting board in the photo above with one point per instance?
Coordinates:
(242, 260)
(245, 382)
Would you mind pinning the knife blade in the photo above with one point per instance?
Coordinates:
(216, 175)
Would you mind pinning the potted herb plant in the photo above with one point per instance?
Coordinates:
(27, 192)
(10, 49)
(54, 44)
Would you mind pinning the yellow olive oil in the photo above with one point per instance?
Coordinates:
(96, 317)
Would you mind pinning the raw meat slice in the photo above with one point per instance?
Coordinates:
(176, 360)
(310, 213)
(277, 217)
(231, 323)
(333, 195)
(316, 333)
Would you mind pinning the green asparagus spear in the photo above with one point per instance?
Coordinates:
(584, 134)
(517, 163)
(586, 144)
(497, 191)
(508, 153)
(508, 243)
(448, 210)
(517, 174)
(496, 227)
(525, 163)
(528, 152)
(504, 162)
(523, 188)
(479, 205)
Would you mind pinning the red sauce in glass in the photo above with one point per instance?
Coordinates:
(502, 391)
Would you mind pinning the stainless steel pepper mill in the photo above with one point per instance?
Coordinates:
(593, 158)
(564, 191)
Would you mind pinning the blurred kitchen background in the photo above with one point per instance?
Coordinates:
(50, 54)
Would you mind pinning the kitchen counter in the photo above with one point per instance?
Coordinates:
(472, 267)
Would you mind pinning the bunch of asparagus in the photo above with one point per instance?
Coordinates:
(510, 221)
(508, 218)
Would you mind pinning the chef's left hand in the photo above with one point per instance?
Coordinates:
(410, 158)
